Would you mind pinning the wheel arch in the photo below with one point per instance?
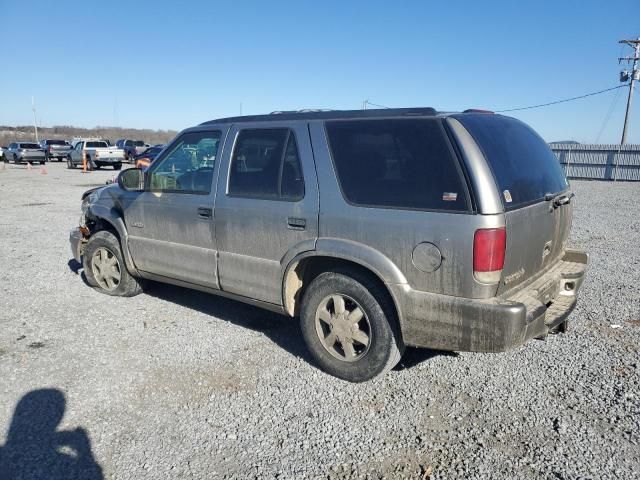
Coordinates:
(334, 253)
(109, 219)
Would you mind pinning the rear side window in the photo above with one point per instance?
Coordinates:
(524, 167)
(266, 164)
(400, 163)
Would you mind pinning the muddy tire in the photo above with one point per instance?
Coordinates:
(350, 326)
(105, 269)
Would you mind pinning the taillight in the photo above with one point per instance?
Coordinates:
(489, 245)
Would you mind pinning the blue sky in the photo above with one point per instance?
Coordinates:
(175, 64)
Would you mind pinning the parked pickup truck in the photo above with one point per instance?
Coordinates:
(98, 154)
(58, 149)
(131, 148)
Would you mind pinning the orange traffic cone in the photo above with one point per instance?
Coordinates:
(29, 166)
(43, 171)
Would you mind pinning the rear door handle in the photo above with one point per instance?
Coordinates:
(204, 212)
(296, 223)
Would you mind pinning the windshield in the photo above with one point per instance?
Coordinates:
(29, 145)
(96, 145)
(524, 167)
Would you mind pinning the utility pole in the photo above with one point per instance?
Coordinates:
(35, 122)
(633, 76)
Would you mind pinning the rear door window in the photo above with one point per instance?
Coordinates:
(266, 164)
(397, 163)
(523, 166)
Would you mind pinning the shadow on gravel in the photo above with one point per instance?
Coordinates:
(77, 268)
(282, 330)
(415, 356)
(36, 450)
(74, 265)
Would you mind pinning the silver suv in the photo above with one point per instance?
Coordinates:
(377, 228)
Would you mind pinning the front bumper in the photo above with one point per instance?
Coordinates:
(76, 241)
(493, 325)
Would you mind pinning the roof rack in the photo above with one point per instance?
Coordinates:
(328, 115)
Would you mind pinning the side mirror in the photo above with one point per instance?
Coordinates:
(131, 180)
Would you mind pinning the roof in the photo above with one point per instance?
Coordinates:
(329, 115)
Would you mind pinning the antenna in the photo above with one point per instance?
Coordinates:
(35, 121)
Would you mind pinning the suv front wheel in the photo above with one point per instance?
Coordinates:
(349, 326)
(105, 269)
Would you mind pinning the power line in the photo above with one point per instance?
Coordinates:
(560, 101)
(614, 102)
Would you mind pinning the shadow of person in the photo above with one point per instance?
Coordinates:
(35, 450)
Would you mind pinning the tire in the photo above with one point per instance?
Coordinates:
(70, 164)
(117, 166)
(384, 346)
(101, 249)
(4, 158)
(42, 163)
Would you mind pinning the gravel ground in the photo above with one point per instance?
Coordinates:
(179, 384)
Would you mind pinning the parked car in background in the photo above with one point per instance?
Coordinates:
(23, 152)
(97, 153)
(377, 228)
(131, 148)
(53, 148)
(143, 160)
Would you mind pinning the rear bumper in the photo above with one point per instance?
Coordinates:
(109, 161)
(493, 325)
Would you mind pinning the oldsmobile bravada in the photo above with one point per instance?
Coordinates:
(377, 228)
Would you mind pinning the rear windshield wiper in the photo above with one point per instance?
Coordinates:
(559, 199)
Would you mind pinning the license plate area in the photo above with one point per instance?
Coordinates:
(548, 292)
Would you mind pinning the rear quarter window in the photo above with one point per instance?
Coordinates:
(523, 165)
(397, 163)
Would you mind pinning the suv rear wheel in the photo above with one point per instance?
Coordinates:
(105, 269)
(349, 326)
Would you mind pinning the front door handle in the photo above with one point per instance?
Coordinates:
(205, 212)
(296, 223)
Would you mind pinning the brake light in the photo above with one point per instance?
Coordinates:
(489, 245)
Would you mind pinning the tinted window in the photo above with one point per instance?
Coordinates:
(139, 143)
(29, 145)
(97, 145)
(188, 165)
(524, 167)
(266, 164)
(396, 163)
(56, 142)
